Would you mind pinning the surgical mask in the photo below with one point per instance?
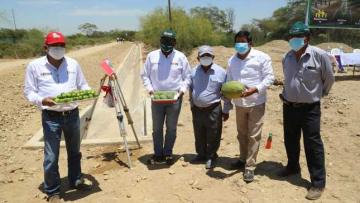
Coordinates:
(297, 43)
(242, 48)
(56, 52)
(166, 48)
(206, 60)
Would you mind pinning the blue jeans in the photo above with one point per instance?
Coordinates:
(53, 125)
(168, 113)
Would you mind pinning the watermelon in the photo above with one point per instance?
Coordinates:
(232, 89)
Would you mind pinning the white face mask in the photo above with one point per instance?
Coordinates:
(206, 60)
(56, 52)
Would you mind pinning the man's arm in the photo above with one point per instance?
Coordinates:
(80, 79)
(327, 74)
(186, 76)
(267, 76)
(145, 76)
(30, 88)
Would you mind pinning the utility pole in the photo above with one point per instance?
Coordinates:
(13, 15)
(170, 19)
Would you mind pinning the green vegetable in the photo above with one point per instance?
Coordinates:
(232, 89)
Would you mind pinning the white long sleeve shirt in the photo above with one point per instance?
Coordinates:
(44, 80)
(171, 73)
(254, 71)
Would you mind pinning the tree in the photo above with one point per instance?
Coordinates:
(87, 28)
(222, 21)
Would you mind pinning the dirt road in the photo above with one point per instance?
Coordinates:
(22, 171)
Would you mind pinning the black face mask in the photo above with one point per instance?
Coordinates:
(167, 44)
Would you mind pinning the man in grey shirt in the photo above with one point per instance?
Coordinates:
(308, 77)
(206, 81)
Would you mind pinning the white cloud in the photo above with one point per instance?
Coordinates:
(38, 2)
(106, 12)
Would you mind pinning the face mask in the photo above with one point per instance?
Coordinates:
(206, 60)
(242, 48)
(56, 52)
(166, 47)
(296, 43)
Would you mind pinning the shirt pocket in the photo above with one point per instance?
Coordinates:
(214, 84)
(311, 76)
(175, 71)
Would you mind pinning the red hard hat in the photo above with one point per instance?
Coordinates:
(54, 38)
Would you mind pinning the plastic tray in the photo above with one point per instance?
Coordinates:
(166, 101)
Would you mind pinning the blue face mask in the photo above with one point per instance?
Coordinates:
(242, 48)
(297, 43)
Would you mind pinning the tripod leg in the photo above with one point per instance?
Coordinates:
(120, 119)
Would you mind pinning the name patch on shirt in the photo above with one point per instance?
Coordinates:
(45, 74)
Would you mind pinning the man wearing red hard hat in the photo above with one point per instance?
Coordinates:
(47, 77)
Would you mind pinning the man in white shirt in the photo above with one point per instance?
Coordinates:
(252, 68)
(47, 77)
(166, 69)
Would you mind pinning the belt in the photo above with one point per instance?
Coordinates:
(296, 104)
(208, 108)
(60, 113)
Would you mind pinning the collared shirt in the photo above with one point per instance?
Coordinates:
(170, 73)
(254, 71)
(308, 79)
(206, 86)
(44, 80)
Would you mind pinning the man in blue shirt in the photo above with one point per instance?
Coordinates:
(308, 77)
(206, 81)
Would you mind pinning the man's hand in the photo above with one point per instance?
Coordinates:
(48, 101)
(249, 91)
(225, 116)
(151, 93)
(181, 93)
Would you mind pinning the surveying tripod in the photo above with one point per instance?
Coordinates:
(119, 103)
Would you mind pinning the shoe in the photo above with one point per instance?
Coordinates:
(155, 160)
(169, 159)
(198, 159)
(288, 172)
(248, 175)
(210, 163)
(54, 198)
(81, 185)
(314, 193)
(239, 164)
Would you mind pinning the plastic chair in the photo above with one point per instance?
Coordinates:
(356, 65)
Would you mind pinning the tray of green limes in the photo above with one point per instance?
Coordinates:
(165, 97)
(76, 95)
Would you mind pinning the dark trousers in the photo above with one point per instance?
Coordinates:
(207, 130)
(306, 119)
(53, 125)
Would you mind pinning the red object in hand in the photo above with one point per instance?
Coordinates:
(268, 142)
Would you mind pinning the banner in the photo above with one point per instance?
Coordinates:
(333, 13)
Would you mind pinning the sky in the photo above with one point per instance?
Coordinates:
(67, 15)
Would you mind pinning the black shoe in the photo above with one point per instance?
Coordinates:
(248, 175)
(81, 185)
(155, 160)
(198, 159)
(169, 159)
(239, 164)
(285, 172)
(54, 198)
(314, 193)
(210, 163)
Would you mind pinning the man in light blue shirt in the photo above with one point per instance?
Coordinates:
(206, 81)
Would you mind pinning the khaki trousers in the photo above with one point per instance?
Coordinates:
(249, 121)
